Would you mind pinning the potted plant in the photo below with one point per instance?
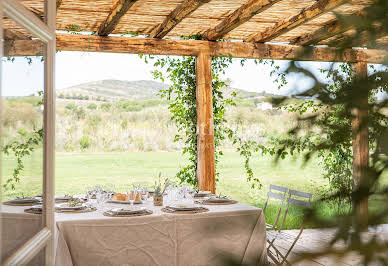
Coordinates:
(160, 188)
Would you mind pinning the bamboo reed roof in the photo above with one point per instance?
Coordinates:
(259, 21)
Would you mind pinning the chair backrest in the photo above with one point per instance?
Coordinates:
(276, 192)
(292, 200)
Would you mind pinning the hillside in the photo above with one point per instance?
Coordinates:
(113, 90)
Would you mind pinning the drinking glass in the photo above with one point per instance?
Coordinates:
(100, 198)
(136, 195)
(130, 196)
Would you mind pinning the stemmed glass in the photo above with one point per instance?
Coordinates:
(89, 195)
(130, 195)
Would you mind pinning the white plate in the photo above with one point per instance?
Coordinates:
(183, 207)
(124, 211)
(119, 201)
(65, 206)
(62, 197)
(24, 200)
(218, 200)
(202, 194)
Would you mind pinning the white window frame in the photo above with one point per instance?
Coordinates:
(45, 31)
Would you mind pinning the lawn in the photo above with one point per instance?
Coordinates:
(75, 171)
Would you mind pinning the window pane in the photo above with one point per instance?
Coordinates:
(22, 135)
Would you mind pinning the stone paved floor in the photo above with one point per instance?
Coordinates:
(316, 239)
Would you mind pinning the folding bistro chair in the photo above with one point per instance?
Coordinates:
(279, 193)
(272, 235)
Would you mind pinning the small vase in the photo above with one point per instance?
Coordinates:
(158, 200)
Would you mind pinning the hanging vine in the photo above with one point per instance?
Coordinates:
(21, 148)
(182, 105)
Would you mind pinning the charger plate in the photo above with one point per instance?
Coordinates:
(200, 210)
(111, 214)
(33, 211)
(217, 203)
(11, 203)
(88, 209)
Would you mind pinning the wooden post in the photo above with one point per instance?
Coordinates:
(205, 127)
(360, 145)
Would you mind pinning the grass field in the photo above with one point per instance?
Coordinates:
(75, 171)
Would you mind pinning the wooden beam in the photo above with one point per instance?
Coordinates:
(14, 35)
(331, 29)
(361, 145)
(58, 4)
(318, 8)
(205, 128)
(176, 16)
(354, 38)
(118, 11)
(321, 34)
(238, 17)
(23, 47)
(88, 43)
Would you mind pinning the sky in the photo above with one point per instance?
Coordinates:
(72, 68)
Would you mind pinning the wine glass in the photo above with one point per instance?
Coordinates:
(130, 196)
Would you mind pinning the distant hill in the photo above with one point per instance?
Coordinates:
(113, 90)
(117, 89)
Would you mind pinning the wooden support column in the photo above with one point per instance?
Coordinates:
(205, 127)
(360, 145)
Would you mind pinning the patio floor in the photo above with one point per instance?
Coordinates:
(315, 239)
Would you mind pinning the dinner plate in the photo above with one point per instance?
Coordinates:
(126, 211)
(202, 194)
(24, 200)
(215, 200)
(65, 206)
(62, 197)
(119, 201)
(183, 207)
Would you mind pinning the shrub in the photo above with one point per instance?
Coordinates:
(105, 107)
(71, 106)
(92, 106)
(84, 142)
(93, 121)
(124, 124)
(128, 106)
(80, 113)
(151, 102)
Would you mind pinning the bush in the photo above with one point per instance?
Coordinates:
(92, 106)
(93, 121)
(80, 113)
(128, 106)
(71, 106)
(105, 107)
(150, 102)
(84, 142)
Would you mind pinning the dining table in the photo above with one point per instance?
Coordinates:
(234, 232)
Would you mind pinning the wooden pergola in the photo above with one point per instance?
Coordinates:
(262, 29)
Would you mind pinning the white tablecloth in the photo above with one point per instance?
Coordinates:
(236, 230)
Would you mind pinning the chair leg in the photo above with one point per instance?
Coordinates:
(293, 244)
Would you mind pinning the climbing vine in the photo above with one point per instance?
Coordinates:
(21, 148)
(182, 105)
